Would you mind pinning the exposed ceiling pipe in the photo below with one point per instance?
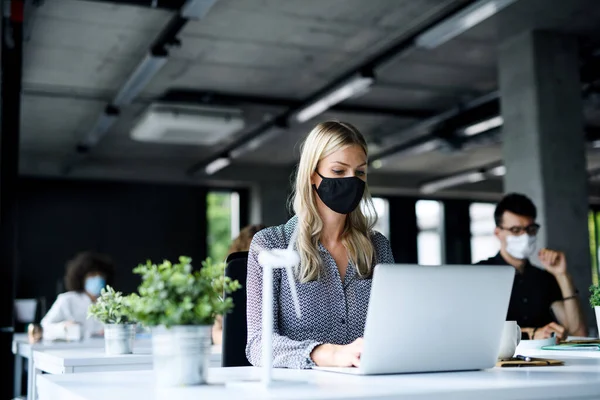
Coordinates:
(160, 4)
(139, 78)
(368, 67)
(425, 130)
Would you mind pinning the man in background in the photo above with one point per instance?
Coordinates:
(544, 300)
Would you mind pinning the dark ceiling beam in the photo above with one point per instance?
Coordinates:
(153, 61)
(171, 5)
(445, 124)
(379, 60)
(210, 97)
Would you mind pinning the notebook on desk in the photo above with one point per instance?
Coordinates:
(566, 346)
(433, 318)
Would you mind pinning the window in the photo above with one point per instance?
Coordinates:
(483, 242)
(429, 238)
(382, 208)
(223, 222)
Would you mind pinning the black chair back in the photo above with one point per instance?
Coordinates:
(234, 323)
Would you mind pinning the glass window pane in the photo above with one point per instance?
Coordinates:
(382, 208)
(429, 238)
(223, 222)
(483, 242)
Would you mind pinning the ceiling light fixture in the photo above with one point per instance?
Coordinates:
(257, 141)
(217, 165)
(377, 164)
(500, 170)
(460, 22)
(451, 181)
(142, 75)
(484, 126)
(355, 86)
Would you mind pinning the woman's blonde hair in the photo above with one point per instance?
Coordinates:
(324, 139)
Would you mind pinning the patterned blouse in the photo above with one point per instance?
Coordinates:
(332, 311)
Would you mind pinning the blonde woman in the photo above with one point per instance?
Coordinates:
(338, 251)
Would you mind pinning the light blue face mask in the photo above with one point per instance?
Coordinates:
(94, 284)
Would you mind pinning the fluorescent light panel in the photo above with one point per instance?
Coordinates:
(461, 22)
(356, 86)
(500, 170)
(103, 124)
(217, 165)
(144, 72)
(256, 142)
(483, 126)
(451, 181)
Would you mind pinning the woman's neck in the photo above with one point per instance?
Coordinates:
(333, 225)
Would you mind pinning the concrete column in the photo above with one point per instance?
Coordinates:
(269, 202)
(543, 143)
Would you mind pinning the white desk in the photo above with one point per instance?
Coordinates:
(69, 361)
(78, 360)
(22, 349)
(578, 380)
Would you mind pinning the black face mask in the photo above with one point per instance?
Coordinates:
(342, 195)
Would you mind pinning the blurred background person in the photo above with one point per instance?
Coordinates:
(86, 274)
(240, 243)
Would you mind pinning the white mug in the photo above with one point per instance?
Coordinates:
(511, 337)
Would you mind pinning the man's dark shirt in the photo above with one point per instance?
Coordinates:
(532, 295)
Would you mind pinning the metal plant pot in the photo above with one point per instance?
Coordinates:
(119, 338)
(180, 354)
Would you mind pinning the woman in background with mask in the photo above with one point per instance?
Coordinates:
(338, 250)
(87, 273)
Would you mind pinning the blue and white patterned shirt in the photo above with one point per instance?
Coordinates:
(332, 311)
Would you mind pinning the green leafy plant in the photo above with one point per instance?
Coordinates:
(174, 294)
(111, 308)
(595, 295)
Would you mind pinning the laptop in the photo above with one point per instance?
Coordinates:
(433, 318)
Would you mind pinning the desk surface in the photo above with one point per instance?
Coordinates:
(22, 347)
(578, 379)
(96, 356)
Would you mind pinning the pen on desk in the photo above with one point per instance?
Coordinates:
(524, 358)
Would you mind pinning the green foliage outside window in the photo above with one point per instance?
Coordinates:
(218, 215)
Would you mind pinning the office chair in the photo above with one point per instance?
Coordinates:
(234, 323)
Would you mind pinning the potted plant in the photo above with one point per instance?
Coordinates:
(595, 302)
(180, 304)
(112, 310)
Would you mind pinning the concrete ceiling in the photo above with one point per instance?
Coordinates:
(79, 53)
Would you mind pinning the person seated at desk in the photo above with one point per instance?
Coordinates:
(240, 243)
(543, 301)
(87, 273)
(338, 250)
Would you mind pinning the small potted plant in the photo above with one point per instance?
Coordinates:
(595, 302)
(180, 304)
(112, 310)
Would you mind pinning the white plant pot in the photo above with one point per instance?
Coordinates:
(597, 308)
(180, 354)
(119, 338)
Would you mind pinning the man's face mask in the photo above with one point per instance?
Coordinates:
(520, 247)
(342, 195)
